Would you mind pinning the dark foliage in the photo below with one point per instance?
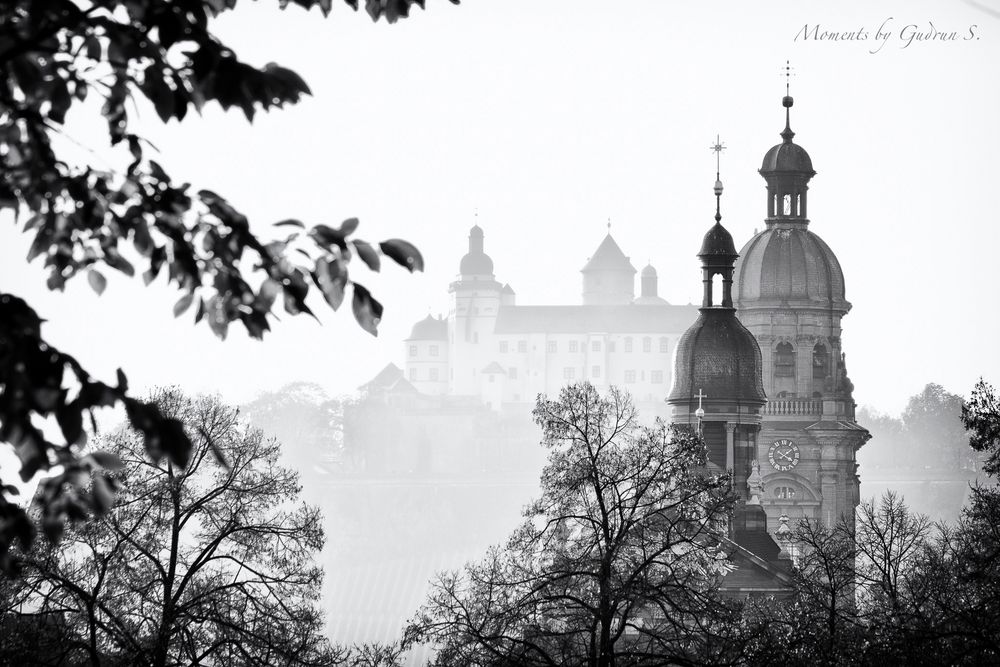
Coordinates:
(892, 588)
(212, 563)
(54, 55)
(615, 563)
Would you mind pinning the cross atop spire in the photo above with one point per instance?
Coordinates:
(609, 224)
(788, 76)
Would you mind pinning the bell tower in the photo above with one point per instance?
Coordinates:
(789, 291)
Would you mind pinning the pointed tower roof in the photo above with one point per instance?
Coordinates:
(609, 257)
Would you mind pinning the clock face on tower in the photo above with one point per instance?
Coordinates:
(783, 455)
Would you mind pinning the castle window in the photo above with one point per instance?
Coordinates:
(595, 372)
(629, 377)
(413, 350)
(821, 361)
(503, 346)
(569, 373)
(595, 346)
(628, 344)
(647, 344)
(574, 346)
(784, 360)
(512, 373)
(434, 350)
(551, 347)
(413, 375)
(656, 377)
(522, 346)
(664, 344)
(493, 378)
(434, 375)
(611, 346)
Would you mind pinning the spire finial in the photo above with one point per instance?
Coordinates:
(787, 102)
(718, 148)
(609, 224)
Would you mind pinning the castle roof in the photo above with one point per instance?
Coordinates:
(627, 318)
(609, 257)
(389, 379)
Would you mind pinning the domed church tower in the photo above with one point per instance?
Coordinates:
(790, 294)
(717, 389)
(717, 364)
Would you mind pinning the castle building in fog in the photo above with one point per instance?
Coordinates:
(503, 354)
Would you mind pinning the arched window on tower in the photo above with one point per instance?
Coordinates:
(784, 360)
(821, 361)
(787, 205)
(716, 290)
(774, 206)
(798, 206)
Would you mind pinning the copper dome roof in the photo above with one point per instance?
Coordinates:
(718, 242)
(787, 156)
(718, 356)
(788, 263)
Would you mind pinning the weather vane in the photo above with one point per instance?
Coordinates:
(718, 147)
(788, 76)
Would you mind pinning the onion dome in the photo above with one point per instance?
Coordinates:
(719, 357)
(648, 272)
(787, 156)
(718, 243)
(476, 262)
(430, 328)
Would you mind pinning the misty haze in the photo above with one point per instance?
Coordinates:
(498, 334)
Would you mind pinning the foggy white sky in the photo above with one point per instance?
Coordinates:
(550, 117)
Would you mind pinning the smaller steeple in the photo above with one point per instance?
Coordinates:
(718, 252)
(787, 169)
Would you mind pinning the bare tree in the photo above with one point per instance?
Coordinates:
(207, 564)
(615, 562)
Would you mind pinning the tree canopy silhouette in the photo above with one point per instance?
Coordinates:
(55, 55)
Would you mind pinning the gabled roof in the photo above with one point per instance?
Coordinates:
(627, 318)
(608, 257)
(389, 379)
(493, 369)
